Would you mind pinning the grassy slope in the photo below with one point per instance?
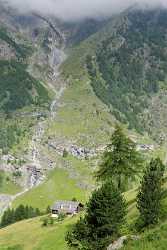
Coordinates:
(58, 186)
(82, 117)
(7, 186)
(32, 236)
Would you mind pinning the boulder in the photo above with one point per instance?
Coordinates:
(118, 244)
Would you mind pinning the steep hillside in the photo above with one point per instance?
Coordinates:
(129, 69)
(126, 64)
(20, 91)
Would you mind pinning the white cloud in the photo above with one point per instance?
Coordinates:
(79, 9)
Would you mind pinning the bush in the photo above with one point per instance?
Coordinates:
(65, 153)
(74, 199)
(48, 210)
(61, 216)
(46, 221)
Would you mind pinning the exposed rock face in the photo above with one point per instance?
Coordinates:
(35, 176)
(4, 201)
(59, 145)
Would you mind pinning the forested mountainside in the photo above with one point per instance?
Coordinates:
(127, 66)
(20, 90)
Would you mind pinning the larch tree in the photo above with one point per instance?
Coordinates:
(120, 161)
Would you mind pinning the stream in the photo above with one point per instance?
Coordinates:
(56, 59)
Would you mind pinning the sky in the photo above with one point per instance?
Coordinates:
(80, 9)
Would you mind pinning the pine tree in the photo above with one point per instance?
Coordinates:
(20, 213)
(7, 218)
(150, 193)
(104, 217)
(37, 212)
(120, 161)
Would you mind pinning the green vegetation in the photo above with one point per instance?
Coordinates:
(22, 51)
(126, 69)
(82, 117)
(58, 186)
(121, 161)
(153, 239)
(11, 216)
(102, 222)
(31, 235)
(127, 72)
(18, 89)
(7, 185)
(15, 132)
(149, 198)
(106, 209)
(119, 73)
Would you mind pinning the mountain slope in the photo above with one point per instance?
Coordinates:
(19, 89)
(126, 63)
(21, 92)
(129, 67)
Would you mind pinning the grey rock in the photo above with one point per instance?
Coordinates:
(117, 244)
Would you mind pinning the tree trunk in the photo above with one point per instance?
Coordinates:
(119, 182)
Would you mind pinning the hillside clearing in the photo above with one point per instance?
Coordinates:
(58, 186)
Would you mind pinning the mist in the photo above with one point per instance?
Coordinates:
(80, 9)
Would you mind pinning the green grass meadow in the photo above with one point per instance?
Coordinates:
(58, 186)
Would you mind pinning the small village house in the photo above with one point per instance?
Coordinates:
(66, 207)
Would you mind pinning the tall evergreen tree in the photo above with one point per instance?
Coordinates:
(20, 213)
(121, 160)
(8, 217)
(150, 193)
(104, 217)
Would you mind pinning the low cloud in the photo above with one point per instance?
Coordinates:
(80, 9)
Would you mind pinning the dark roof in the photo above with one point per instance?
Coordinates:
(66, 206)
